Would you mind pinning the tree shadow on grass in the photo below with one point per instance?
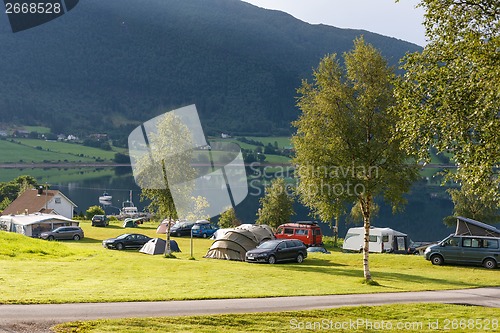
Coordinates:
(333, 269)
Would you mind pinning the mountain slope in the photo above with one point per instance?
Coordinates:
(108, 65)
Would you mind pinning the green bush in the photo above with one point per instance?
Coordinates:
(94, 210)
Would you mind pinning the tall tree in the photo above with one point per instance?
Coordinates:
(345, 147)
(471, 206)
(276, 205)
(449, 97)
(228, 219)
(164, 172)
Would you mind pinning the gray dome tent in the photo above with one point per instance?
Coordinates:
(157, 246)
(234, 243)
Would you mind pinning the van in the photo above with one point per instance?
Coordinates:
(307, 232)
(381, 240)
(466, 250)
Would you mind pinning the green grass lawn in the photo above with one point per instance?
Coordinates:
(412, 318)
(69, 148)
(57, 175)
(18, 153)
(91, 273)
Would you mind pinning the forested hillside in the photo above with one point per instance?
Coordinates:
(108, 65)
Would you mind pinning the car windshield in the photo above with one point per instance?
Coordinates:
(122, 236)
(267, 245)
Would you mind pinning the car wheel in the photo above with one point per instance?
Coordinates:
(50, 238)
(437, 260)
(300, 258)
(490, 264)
(204, 235)
(271, 260)
(119, 246)
(76, 237)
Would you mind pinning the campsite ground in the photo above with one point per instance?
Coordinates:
(36, 271)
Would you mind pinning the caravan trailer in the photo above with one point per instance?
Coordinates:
(381, 240)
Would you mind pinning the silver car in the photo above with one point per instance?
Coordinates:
(75, 233)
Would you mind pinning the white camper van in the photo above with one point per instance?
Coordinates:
(381, 240)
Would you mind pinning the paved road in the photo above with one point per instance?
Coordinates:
(37, 318)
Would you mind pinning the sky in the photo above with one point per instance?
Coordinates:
(386, 17)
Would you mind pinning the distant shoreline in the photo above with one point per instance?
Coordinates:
(60, 165)
(116, 165)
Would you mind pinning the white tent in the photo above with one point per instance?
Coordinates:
(34, 224)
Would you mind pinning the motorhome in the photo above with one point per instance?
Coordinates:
(306, 231)
(381, 240)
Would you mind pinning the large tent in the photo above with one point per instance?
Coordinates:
(157, 246)
(33, 225)
(234, 243)
(470, 227)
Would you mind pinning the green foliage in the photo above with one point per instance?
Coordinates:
(5, 203)
(228, 219)
(9, 191)
(198, 210)
(449, 95)
(469, 205)
(94, 210)
(276, 205)
(346, 153)
(163, 173)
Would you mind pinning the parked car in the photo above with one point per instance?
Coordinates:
(182, 229)
(320, 249)
(307, 232)
(274, 251)
(126, 241)
(468, 250)
(69, 232)
(100, 221)
(203, 229)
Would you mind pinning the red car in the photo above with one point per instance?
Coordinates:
(307, 232)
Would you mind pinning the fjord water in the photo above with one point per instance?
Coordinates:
(421, 218)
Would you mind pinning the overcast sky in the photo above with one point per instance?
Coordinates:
(401, 20)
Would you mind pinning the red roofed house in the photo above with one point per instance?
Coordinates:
(41, 201)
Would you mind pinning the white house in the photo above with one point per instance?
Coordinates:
(41, 201)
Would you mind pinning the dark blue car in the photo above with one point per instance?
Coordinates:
(203, 229)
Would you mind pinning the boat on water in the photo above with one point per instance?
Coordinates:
(105, 197)
(129, 209)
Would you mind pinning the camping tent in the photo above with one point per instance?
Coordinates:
(470, 227)
(157, 246)
(234, 243)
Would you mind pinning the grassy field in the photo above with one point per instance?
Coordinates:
(412, 318)
(283, 141)
(69, 148)
(18, 153)
(57, 175)
(86, 272)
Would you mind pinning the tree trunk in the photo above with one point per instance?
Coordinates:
(365, 209)
(168, 251)
(336, 231)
